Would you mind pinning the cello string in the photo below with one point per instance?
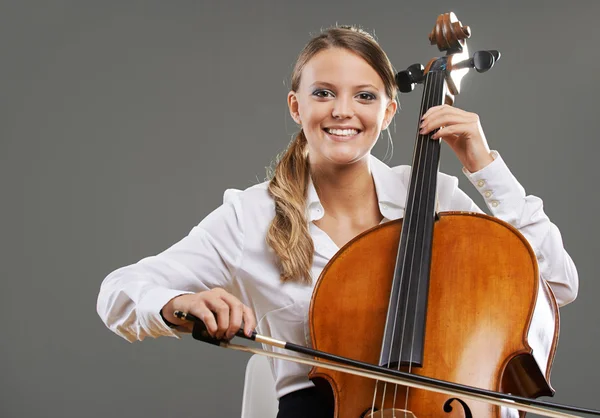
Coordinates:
(413, 223)
(425, 141)
(411, 219)
(417, 199)
(416, 158)
(431, 174)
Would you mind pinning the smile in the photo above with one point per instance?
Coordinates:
(341, 133)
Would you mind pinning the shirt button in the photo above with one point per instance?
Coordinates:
(488, 193)
(384, 206)
(481, 183)
(495, 203)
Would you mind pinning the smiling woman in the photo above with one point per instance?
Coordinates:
(260, 253)
(342, 105)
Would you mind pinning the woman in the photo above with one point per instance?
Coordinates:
(256, 258)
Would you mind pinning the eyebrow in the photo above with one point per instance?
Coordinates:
(326, 84)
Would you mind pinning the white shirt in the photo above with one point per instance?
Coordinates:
(228, 249)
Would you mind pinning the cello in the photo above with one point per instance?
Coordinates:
(451, 296)
(454, 296)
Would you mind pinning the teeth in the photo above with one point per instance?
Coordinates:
(342, 132)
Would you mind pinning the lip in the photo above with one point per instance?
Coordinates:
(343, 127)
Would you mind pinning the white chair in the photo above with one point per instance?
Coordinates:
(259, 399)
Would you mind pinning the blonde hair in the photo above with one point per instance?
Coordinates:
(288, 233)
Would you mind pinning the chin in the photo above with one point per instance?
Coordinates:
(328, 153)
(344, 158)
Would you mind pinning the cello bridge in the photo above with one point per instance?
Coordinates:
(390, 413)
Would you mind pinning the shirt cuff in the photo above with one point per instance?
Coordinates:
(148, 311)
(497, 185)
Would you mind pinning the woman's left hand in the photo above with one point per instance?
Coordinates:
(462, 132)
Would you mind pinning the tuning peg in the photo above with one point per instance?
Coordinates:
(484, 60)
(407, 79)
(481, 61)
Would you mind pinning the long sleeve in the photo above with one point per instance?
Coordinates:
(506, 200)
(131, 297)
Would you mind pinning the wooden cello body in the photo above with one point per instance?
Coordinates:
(491, 322)
(455, 296)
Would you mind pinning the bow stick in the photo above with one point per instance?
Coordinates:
(371, 371)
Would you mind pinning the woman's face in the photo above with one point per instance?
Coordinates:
(342, 106)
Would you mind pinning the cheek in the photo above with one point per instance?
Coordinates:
(314, 113)
(376, 117)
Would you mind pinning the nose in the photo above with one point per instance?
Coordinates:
(342, 108)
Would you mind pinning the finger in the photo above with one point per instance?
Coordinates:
(448, 131)
(431, 110)
(442, 109)
(221, 309)
(249, 321)
(449, 111)
(435, 110)
(237, 314)
(443, 119)
(236, 311)
(203, 313)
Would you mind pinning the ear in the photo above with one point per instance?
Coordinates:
(292, 101)
(390, 111)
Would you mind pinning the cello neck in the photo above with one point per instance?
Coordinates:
(405, 324)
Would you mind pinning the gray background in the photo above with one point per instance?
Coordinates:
(122, 123)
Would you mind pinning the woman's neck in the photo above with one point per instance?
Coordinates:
(346, 191)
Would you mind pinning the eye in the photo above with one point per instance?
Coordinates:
(322, 93)
(367, 96)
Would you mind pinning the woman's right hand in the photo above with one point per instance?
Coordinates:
(229, 311)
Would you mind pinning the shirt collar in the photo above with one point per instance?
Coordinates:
(389, 186)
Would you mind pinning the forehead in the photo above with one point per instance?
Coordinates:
(340, 67)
